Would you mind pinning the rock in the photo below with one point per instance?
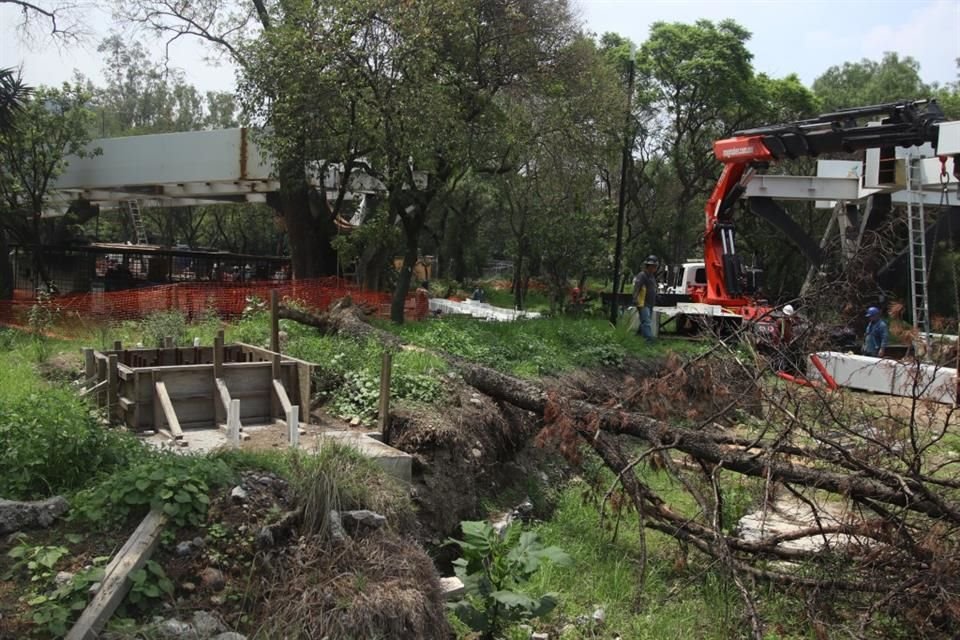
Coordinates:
(212, 579)
(198, 542)
(40, 514)
(363, 517)
(230, 635)
(184, 548)
(189, 587)
(217, 600)
(452, 588)
(265, 538)
(63, 577)
(207, 624)
(539, 636)
(476, 401)
(239, 494)
(599, 615)
(355, 422)
(337, 532)
(476, 453)
(176, 630)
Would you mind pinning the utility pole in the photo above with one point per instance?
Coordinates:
(621, 204)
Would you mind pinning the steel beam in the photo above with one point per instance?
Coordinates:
(803, 188)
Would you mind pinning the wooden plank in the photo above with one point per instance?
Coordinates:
(281, 396)
(102, 376)
(233, 423)
(293, 425)
(136, 401)
(117, 345)
(95, 388)
(116, 579)
(112, 394)
(218, 357)
(89, 366)
(383, 414)
(274, 321)
(168, 413)
(266, 354)
(276, 406)
(304, 386)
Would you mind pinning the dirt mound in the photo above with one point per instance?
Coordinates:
(381, 586)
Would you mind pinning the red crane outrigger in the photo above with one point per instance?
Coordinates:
(749, 152)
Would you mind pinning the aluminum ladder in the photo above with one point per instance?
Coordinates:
(136, 219)
(919, 269)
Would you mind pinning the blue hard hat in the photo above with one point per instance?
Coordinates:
(872, 311)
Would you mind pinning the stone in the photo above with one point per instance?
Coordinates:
(174, 629)
(355, 422)
(540, 636)
(452, 588)
(212, 578)
(239, 494)
(229, 635)
(189, 587)
(184, 548)
(40, 514)
(363, 517)
(63, 577)
(337, 532)
(198, 542)
(207, 624)
(476, 453)
(217, 600)
(265, 538)
(599, 615)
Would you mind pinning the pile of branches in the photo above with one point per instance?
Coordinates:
(898, 555)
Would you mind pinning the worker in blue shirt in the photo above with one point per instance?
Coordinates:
(875, 339)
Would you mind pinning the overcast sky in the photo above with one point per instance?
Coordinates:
(801, 36)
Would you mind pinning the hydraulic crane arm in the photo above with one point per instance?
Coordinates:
(751, 150)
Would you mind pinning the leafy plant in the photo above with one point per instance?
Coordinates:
(37, 561)
(53, 611)
(493, 568)
(51, 442)
(149, 584)
(176, 484)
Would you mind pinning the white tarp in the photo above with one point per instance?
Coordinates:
(906, 379)
(479, 310)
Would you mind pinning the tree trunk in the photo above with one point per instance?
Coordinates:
(6, 269)
(309, 222)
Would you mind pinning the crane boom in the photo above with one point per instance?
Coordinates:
(752, 150)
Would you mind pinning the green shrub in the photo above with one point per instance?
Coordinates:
(493, 568)
(164, 324)
(177, 484)
(52, 443)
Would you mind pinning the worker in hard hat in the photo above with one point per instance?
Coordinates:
(877, 334)
(645, 295)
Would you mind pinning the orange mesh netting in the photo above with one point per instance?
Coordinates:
(195, 299)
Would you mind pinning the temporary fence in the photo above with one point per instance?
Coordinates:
(194, 299)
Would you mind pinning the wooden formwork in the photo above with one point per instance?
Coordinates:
(173, 388)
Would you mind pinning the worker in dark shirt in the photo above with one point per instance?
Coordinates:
(877, 335)
(645, 296)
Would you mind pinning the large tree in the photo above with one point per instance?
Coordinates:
(54, 123)
(855, 84)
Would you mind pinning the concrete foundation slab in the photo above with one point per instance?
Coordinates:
(395, 462)
(892, 377)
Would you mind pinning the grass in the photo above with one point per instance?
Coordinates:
(679, 601)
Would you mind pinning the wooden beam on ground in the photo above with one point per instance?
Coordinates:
(166, 406)
(384, 407)
(116, 578)
(276, 406)
(223, 397)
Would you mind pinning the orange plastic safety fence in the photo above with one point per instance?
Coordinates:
(195, 299)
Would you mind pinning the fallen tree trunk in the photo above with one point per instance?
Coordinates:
(905, 503)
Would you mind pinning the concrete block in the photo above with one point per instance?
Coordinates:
(905, 379)
(393, 461)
